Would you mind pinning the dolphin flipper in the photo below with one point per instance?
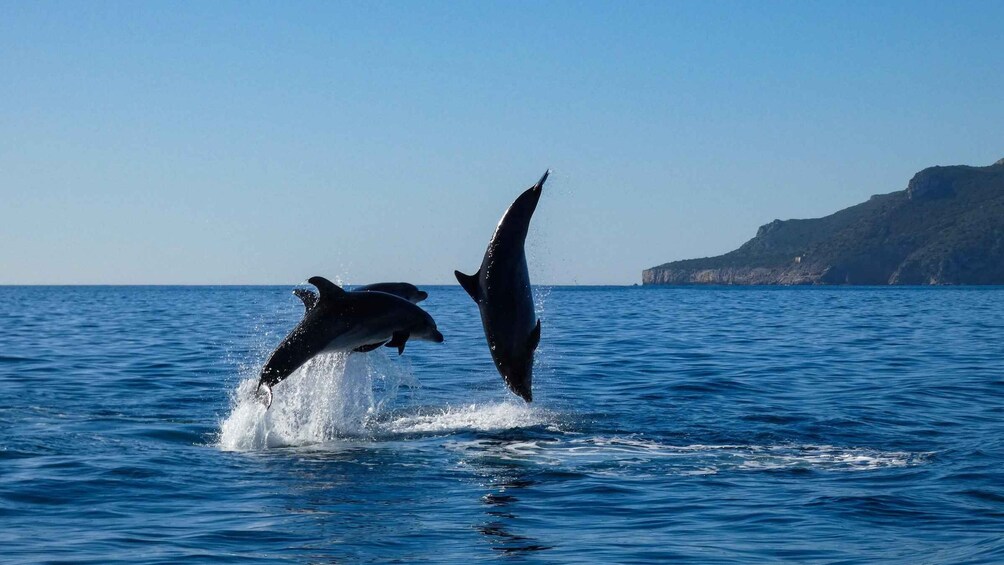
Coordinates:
(398, 341)
(308, 297)
(470, 283)
(534, 340)
(367, 348)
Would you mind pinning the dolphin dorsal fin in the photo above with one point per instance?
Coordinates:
(308, 297)
(326, 289)
(470, 283)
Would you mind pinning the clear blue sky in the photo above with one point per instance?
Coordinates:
(213, 142)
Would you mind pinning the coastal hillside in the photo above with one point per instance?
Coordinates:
(946, 227)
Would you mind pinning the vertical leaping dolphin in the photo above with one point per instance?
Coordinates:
(501, 288)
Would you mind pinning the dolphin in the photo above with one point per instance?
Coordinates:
(501, 288)
(346, 321)
(407, 291)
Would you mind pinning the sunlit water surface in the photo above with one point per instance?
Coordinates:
(703, 425)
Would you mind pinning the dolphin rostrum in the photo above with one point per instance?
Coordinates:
(346, 321)
(501, 288)
(407, 291)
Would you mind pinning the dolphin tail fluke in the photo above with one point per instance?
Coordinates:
(469, 283)
(264, 394)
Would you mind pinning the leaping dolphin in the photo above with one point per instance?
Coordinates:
(346, 321)
(501, 288)
(407, 291)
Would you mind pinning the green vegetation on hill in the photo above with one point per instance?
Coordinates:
(947, 227)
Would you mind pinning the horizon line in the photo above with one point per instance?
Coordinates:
(279, 284)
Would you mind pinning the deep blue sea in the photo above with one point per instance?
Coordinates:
(740, 425)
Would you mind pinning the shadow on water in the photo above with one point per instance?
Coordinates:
(506, 482)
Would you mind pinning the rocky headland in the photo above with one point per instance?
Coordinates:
(945, 228)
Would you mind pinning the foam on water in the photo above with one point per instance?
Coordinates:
(340, 396)
(473, 417)
(596, 453)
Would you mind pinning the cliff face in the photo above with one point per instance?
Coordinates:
(946, 227)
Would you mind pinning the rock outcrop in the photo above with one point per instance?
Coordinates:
(946, 227)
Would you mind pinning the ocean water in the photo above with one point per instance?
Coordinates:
(747, 425)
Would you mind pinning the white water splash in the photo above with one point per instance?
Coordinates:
(474, 417)
(331, 396)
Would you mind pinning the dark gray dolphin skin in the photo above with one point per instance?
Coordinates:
(501, 288)
(346, 321)
(405, 290)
